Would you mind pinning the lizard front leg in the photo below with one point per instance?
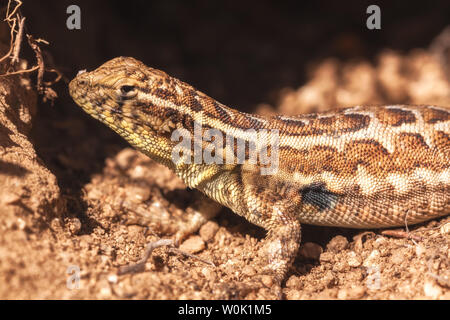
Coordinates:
(278, 216)
(266, 208)
(198, 213)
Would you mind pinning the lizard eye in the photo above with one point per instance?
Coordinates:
(128, 91)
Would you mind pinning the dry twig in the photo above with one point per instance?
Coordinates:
(16, 24)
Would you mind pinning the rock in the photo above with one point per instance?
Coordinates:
(193, 245)
(208, 231)
(337, 244)
(311, 250)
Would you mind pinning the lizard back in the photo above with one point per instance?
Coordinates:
(366, 166)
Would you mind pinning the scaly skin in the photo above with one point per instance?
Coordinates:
(361, 167)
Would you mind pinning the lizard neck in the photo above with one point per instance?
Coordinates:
(190, 121)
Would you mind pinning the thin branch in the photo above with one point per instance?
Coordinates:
(58, 77)
(40, 62)
(18, 42)
(20, 71)
(140, 265)
(11, 42)
(8, 16)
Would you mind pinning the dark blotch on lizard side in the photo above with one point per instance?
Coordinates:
(290, 122)
(431, 115)
(193, 102)
(413, 139)
(369, 142)
(221, 113)
(395, 117)
(188, 123)
(355, 122)
(165, 94)
(319, 196)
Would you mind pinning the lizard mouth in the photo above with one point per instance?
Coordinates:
(111, 111)
(78, 88)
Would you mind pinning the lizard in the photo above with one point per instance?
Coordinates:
(358, 167)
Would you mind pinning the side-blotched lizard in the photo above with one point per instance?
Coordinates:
(360, 167)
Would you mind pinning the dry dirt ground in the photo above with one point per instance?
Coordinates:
(60, 244)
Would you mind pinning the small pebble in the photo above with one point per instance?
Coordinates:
(105, 292)
(431, 290)
(112, 278)
(267, 280)
(351, 293)
(124, 158)
(372, 259)
(353, 260)
(379, 242)
(74, 225)
(337, 244)
(209, 274)
(85, 241)
(294, 282)
(137, 172)
(55, 224)
(294, 295)
(420, 250)
(445, 229)
(311, 250)
(249, 271)
(193, 245)
(21, 224)
(134, 231)
(208, 231)
(329, 279)
(397, 257)
(137, 194)
(444, 281)
(95, 193)
(327, 257)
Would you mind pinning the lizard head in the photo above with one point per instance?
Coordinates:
(125, 94)
(138, 102)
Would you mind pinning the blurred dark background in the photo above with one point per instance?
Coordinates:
(239, 52)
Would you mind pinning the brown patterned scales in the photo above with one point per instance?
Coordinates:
(361, 167)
